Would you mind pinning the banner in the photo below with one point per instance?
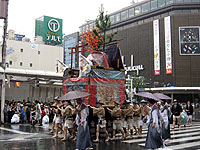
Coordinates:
(168, 48)
(3, 9)
(156, 47)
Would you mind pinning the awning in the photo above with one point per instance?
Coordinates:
(174, 89)
(27, 72)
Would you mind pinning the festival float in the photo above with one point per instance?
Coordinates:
(101, 72)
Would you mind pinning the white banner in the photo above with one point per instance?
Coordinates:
(156, 47)
(168, 49)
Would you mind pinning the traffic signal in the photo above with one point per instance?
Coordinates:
(37, 83)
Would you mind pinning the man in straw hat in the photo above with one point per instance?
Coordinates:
(144, 112)
(117, 123)
(128, 113)
(83, 135)
(136, 116)
(154, 140)
(57, 118)
(68, 113)
(100, 113)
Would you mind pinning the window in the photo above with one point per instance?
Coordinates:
(38, 52)
(124, 15)
(84, 28)
(81, 28)
(137, 10)
(21, 50)
(31, 65)
(161, 3)
(145, 7)
(117, 17)
(112, 19)
(154, 5)
(187, 1)
(21, 63)
(169, 2)
(10, 62)
(179, 1)
(131, 12)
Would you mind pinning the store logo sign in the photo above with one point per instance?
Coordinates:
(135, 68)
(54, 25)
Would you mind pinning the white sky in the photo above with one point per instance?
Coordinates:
(22, 13)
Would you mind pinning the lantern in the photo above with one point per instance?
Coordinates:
(18, 84)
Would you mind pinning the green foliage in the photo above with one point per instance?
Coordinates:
(103, 24)
(138, 82)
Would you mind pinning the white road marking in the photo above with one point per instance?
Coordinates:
(14, 131)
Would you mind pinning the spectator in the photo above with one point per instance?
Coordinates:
(176, 112)
(189, 110)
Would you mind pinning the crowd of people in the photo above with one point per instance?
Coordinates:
(127, 118)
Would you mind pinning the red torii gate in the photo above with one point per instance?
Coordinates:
(77, 51)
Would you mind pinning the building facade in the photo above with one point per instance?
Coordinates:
(34, 66)
(163, 37)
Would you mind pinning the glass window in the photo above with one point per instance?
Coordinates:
(154, 4)
(137, 10)
(83, 28)
(31, 64)
(145, 7)
(21, 50)
(131, 12)
(161, 3)
(38, 52)
(169, 2)
(195, 1)
(124, 15)
(21, 63)
(112, 19)
(10, 62)
(179, 1)
(117, 17)
(87, 26)
(187, 1)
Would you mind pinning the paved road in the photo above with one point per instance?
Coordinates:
(24, 137)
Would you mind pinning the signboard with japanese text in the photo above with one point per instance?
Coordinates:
(156, 47)
(50, 29)
(189, 40)
(168, 48)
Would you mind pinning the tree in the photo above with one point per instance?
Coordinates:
(137, 82)
(97, 37)
(103, 23)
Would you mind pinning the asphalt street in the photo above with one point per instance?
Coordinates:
(26, 137)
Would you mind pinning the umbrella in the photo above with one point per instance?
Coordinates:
(73, 95)
(148, 95)
(162, 96)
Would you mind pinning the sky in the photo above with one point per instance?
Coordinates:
(22, 13)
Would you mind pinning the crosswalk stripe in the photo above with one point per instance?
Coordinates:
(185, 145)
(184, 139)
(14, 131)
(178, 140)
(172, 136)
(176, 129)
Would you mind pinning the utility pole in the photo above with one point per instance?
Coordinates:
(3, 65)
